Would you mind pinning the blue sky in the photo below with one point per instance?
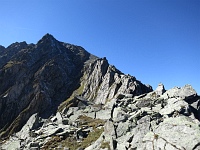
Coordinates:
(154, 40)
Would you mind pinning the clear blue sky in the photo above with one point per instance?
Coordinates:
(154, 40)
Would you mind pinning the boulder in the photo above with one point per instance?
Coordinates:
(186, 93)
(122, 128)
(140, 131)
(59, 118)
(160, 89)
(174, 104)
(109, 131)
(31, 124)
(174, 130)
(119, 115)
(103, 114)
(12, 144)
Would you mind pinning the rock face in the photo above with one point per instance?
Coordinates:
(102, 82)
(58, 96)
(37, 78)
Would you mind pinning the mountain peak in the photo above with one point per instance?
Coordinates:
(2, 47)
(47, 39)
(48, 36)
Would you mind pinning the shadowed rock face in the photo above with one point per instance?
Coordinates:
(37, 78)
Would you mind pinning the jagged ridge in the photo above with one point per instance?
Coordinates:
(37, 78)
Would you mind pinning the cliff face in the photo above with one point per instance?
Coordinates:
(40, 78)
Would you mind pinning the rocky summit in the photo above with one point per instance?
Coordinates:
(55, 95)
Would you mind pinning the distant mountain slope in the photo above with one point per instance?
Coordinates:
(44, 77)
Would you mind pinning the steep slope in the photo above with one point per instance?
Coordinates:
(39, 78)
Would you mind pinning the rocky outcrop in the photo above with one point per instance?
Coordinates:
(39, 78)
(102, 82)
(149, 121)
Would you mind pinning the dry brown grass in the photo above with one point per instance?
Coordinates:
(90, 122)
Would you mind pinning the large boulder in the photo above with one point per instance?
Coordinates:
(109, 131)
(178, 133)
(186, 93)
(32, 123)
(160, 89)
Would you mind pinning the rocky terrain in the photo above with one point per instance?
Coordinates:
(55, 95)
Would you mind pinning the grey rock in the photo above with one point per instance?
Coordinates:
(174, 104)
(75, 116)
(173, 131)
(103, 81)
(103, 114)
(140, 131)
(109, 131)
(59, 118)
(144, 103)
(119, 115)
(122, 128)
(97, 144)
(51, 130)
(186, 93)
(160, 89)
(12, 144)
(31, 124)
(129, 95)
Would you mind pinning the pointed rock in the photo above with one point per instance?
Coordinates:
(160, 89)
